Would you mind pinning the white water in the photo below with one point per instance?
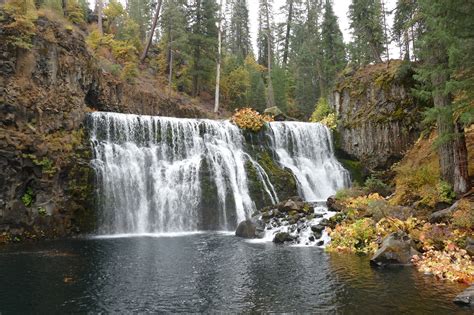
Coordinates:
(306, 149)
(150, 171)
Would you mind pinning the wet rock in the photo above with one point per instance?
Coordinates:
(277, 114)
(290, 205)
(311, 238)
(396, 249)
(320, 243)
(324, 222)
(317, 235)
(250, 228)
(466, 297)
(317, 228)
(283, 237)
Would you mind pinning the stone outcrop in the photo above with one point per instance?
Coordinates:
(378, 115)
(46, 187)
(396, 249)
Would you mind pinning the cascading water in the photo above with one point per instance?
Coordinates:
(161, 174)
(306, 149)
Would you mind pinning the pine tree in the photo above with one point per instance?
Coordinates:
(174, 51)
(203, 40)
(239, 33)
(367, 31)
(447, 51)
(334, 54)
(405, 26)
(140, 12)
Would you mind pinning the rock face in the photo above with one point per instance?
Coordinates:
(45, 94)
(466, 297)
(377, 113)
(395, 249)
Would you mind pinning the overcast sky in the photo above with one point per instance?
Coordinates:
(340, 8)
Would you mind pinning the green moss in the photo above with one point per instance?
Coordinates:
(356, 169)
(283, 180)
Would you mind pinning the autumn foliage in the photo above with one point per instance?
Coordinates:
(250, 119)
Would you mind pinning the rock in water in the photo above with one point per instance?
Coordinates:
(283, 237)
(332, 204)
(276, 113)
(396, 249)
(250, 228)
(466, 297)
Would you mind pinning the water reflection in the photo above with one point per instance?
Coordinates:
(207, 273)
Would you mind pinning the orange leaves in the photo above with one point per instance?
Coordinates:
(248, 118)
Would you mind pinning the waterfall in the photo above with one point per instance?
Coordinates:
(162, 174)
(306, 149)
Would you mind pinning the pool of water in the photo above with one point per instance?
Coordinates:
(209, 272)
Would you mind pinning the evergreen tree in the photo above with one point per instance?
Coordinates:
(334, 54)
(367, 31)
(239, 33)
(405, 26)
(203, 40)
(447, 49)
(140, 12)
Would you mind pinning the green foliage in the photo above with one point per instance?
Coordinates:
(280, 88)
(324, 114)
(21, 29)
(28, 197)
(55, 5)
(42, 211)
(375, 185)
(74, 12)
(129, 72)
(356, 237)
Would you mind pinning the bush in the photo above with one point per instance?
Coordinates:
(463, 217)
(28, 197)
(375, 185)
(21, 29)
(321, 111)
(247, 118)
(356, 237)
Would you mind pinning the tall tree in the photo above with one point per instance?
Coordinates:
(203, 40)
(265, 44)
(447, 51)
(152, 31)
(219, 59)
(239, 37)
(334, 54)
(140, 12)
(367, 30)
(99, 16)
(289, 20)
(406, 22)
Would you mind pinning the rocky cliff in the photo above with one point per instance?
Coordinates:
(45, 94)
(378, 116)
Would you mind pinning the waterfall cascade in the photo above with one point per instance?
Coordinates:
(153, 172)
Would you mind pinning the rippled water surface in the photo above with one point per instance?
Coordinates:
(206, 273)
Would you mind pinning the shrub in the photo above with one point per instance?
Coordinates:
(21, 29)
(463, 217)
(129, 72)
(321, 111)
(357, 237)
(247, 118)
(375, 185)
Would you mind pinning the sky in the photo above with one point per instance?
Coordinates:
(340, 7)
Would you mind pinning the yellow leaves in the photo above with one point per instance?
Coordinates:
(361, 202)
(356, 237)
(247, 118)
(22, 28)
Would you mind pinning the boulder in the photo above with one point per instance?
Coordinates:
(290, 205)
(332, 204)
(250, 228)
(276, 113)
(466, 297)
(317, 228)
(283, 237)
(395, 249)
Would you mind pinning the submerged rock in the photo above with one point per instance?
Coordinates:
(466, 297)
(250, 228)
(396, 249)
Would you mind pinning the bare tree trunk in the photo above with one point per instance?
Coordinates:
(288, 30)
(270, 96)
(152, 31)
(385, 32)
(218, 70)
(99, 17)
(461, 174)
(170, 58)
